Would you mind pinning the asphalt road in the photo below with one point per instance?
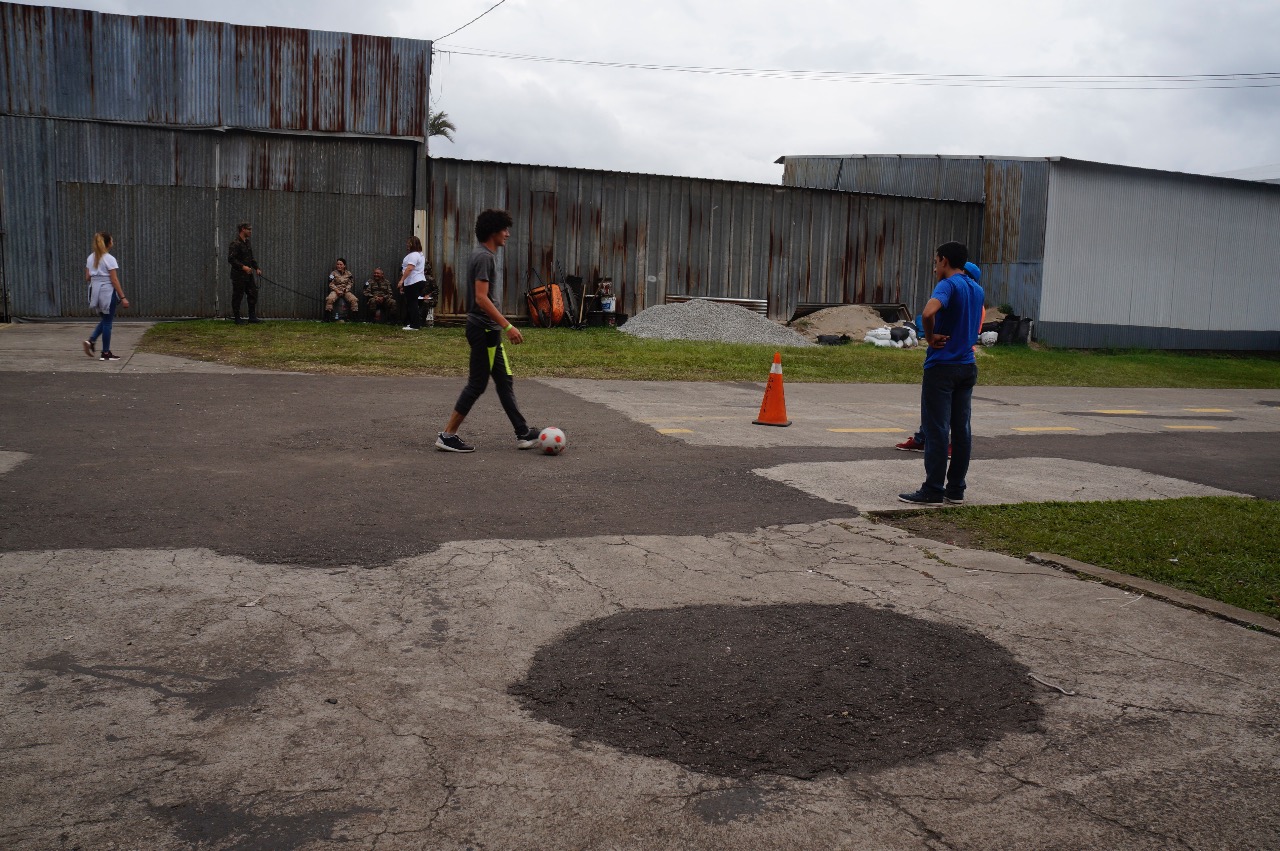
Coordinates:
(247, 611)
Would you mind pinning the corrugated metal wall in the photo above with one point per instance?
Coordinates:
(68, 63)
(168, 132)
(1158, 260)
(683, 236)
(1012, 190)
(172, 198)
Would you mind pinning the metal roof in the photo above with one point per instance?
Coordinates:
(74, 64)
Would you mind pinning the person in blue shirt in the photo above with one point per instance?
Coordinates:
(915, 443)
(952, 320)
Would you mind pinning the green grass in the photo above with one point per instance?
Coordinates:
(1225, 548)
(607, 353)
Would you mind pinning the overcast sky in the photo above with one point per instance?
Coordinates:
(735, 127)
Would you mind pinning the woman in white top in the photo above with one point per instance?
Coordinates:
(411, 278)
(105, 293)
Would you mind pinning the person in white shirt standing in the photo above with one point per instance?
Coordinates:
(105, 293)
(410, 284)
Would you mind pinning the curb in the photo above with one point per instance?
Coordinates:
(1185, 599)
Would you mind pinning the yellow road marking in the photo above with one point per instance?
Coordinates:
(1118, 411)
(1045, 428)
(685, 419)
(867, 430)
(1193, 428)
(1209, 410)
(675, 431)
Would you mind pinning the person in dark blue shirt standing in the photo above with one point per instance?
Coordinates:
(952, 320)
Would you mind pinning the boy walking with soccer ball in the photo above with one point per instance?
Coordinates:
(485, 328)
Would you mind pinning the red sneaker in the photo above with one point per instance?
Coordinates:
(910, 445)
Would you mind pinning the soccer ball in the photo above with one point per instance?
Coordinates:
(551, 441)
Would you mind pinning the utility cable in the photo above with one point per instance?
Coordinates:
(1083, 82)
(472, 21)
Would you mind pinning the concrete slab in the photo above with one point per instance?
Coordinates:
(875, 485)
(161, 699)
(56, 347)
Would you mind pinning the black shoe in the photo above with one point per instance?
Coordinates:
(452, 443)
(109, 356)
(238, 320)
(921, 497)
(529, 440)
(254, 320)
(88, 347)
(953, 498)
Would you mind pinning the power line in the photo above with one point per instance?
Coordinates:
(472, 21)
(1086, 82)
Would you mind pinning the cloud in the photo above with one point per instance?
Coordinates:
(733, 128)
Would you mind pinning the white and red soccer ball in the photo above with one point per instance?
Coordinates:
(551, 441)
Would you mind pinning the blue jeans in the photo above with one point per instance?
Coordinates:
(946, 405)
(103, 328)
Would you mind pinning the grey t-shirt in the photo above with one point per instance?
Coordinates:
(483, 267)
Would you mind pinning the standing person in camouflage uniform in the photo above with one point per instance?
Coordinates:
(244, 270)
(380, 295)
(340, 284)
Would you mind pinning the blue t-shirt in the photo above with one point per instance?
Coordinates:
(960, 317)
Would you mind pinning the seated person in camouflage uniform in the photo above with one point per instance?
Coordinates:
(380, 295)
(340, 284)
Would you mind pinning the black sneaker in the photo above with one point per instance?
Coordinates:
(529, 440)
(452, 443)
(953, 498)
(109, 356)
(920, 497)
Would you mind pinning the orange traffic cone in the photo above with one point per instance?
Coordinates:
(773, 410)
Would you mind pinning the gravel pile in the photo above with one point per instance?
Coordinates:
(698, 319)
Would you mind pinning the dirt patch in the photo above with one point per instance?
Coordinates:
(797, 690)
(935, 526)
(854, 320)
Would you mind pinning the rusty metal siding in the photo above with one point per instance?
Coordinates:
(1013, 190)
(659, 235)
(29, 215)
(67, 63)
(156, 190)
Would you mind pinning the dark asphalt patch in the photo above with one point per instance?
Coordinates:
(217, 825)
(325, 471)
(797, 690)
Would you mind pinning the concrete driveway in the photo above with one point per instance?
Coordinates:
(252, 611)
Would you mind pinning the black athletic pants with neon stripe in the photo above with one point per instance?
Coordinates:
(489, 358)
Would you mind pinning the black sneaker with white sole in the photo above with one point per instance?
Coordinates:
(452, 443)
(953, 498)
(529, 440)
(921, 497)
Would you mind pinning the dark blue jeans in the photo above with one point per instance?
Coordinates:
(103, 328)
(946, 404)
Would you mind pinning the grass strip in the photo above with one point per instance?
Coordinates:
(363, 349)
(1224, 548)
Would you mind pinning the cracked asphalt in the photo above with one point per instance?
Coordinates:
(256, 611)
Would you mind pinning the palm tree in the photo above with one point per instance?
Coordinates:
(438, 124)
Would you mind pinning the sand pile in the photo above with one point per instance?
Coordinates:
(854, 320)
